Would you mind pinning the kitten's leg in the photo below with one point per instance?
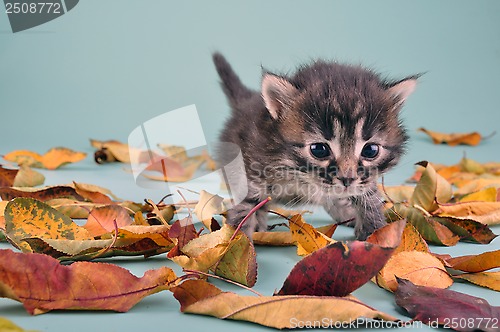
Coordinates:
(341, 210)
(370, 215)
(256, 222)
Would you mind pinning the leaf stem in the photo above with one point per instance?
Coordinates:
(223, 279)
(252, 211)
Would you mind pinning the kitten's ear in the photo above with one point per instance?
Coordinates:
(277, 93)
(403, 89)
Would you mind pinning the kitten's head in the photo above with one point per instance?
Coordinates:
(340, 123)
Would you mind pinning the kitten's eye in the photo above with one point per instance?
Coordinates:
(370, 151)
(320, 150)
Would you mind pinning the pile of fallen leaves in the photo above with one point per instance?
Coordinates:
(58, 230)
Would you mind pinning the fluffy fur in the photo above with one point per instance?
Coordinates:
(305, 138)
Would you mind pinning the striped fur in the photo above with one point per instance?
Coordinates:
(341, 106)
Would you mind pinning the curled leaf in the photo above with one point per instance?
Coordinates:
(200, 297)
(453, 139)
(41, 284)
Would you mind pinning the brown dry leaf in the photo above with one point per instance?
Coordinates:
(52, 159)
(232, 258)
(475, 263)
(25, 176)
(489, 280)
(453, 139)
(419, 267)
(430, 187)
(102, 220)
(487, 213)
(200, 297)
(41, 284)
(308, 239)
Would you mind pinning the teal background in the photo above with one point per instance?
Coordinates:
(105, 67)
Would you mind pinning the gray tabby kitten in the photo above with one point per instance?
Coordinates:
(320, 136)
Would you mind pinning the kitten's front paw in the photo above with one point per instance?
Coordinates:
(256, 222)
(365, 228)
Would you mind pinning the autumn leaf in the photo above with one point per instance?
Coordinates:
(489, 280)
(27, 217)
(208, 206)
(103, 219)
(485, 195)
(308, 239)
(453, 139)
(467, 230)
(182, 231)
(483, 212)
(476, 263)
(340, 268)
(44, 194)
(442, 306)
(200, 297)
(233, 259)
(429, 229)
(22, 177)
(430, 188)
(41, 284)
(421, 268)
(52, 159)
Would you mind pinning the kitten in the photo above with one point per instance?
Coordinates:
(321, 136)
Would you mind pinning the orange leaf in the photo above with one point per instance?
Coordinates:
(453, 138)
(484, 212)
(52, 159)
(475, 263)
(41, 284)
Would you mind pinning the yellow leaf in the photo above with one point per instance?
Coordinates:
(27, 217)
(52, 159)
(307, 237)
(397, 194)
(485, 195)
(411, 240)
(489, 280)
(421, 268)
(487, 213)
(475, 263)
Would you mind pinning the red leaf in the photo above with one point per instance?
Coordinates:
(340, 268)
(42, 284)
(455, 310)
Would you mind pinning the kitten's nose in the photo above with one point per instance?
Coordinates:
(347, 181)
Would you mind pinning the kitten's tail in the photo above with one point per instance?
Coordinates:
(231, 85)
